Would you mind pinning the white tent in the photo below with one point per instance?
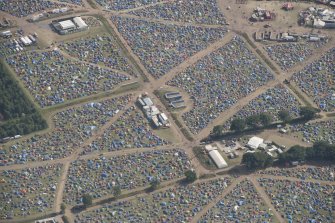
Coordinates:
(218, 159)
(80, 23)
(254, 142)
(67, 24)
(318, 23)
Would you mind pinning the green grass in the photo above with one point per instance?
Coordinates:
(203, 158)
(166, 134)
(185, 132)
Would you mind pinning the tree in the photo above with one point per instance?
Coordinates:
(62, 208)
(265, 119)
(217, 130)
(257, 160)
(253, 120)
(87, 200)
(191, 176)
(284, 116)
(319, 152)
(65, 219)
(237, 125)
(295, 153)
(308, 112)
(154, 184)
(117, 191)
(322, 151)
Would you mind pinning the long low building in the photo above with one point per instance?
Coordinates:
(69, 25)
(218, 159)
(80, 23)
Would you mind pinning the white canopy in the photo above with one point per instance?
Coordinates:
(218, 159)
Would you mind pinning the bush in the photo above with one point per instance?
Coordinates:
(154, 184)
(191, 176)
(308, 112)
(266, 119)
(87, 200)
(62, 208)
(253, 120)
(65, 219)
(237, 125)
(284, 116)
(117, 191)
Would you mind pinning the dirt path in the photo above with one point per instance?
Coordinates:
(60, 187)
(76, 154)
(226, 191)
(266, 199)
(68, 56)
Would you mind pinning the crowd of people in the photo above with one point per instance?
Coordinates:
(287, 55)
(28, 191)
(131, 130)
(317, 81)
(219, 80)
(301, 201)
(161, 47)
(325, 173)
(124, 4)
(72, 127)
(175, 204)
(316, 131)
(99, 49)
(272, 101)
(204, 12)
(242, 204)
(52, 78)
(99, 176)
(21, 8)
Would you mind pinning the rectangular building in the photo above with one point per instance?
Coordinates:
(218, 159)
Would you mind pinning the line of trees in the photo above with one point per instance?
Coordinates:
(319, 152)
(17, 112)
(13, 102)
(265, 119)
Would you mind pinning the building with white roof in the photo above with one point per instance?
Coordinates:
(67, 24)
(218, 159)
(254, 142)
(80, 23)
